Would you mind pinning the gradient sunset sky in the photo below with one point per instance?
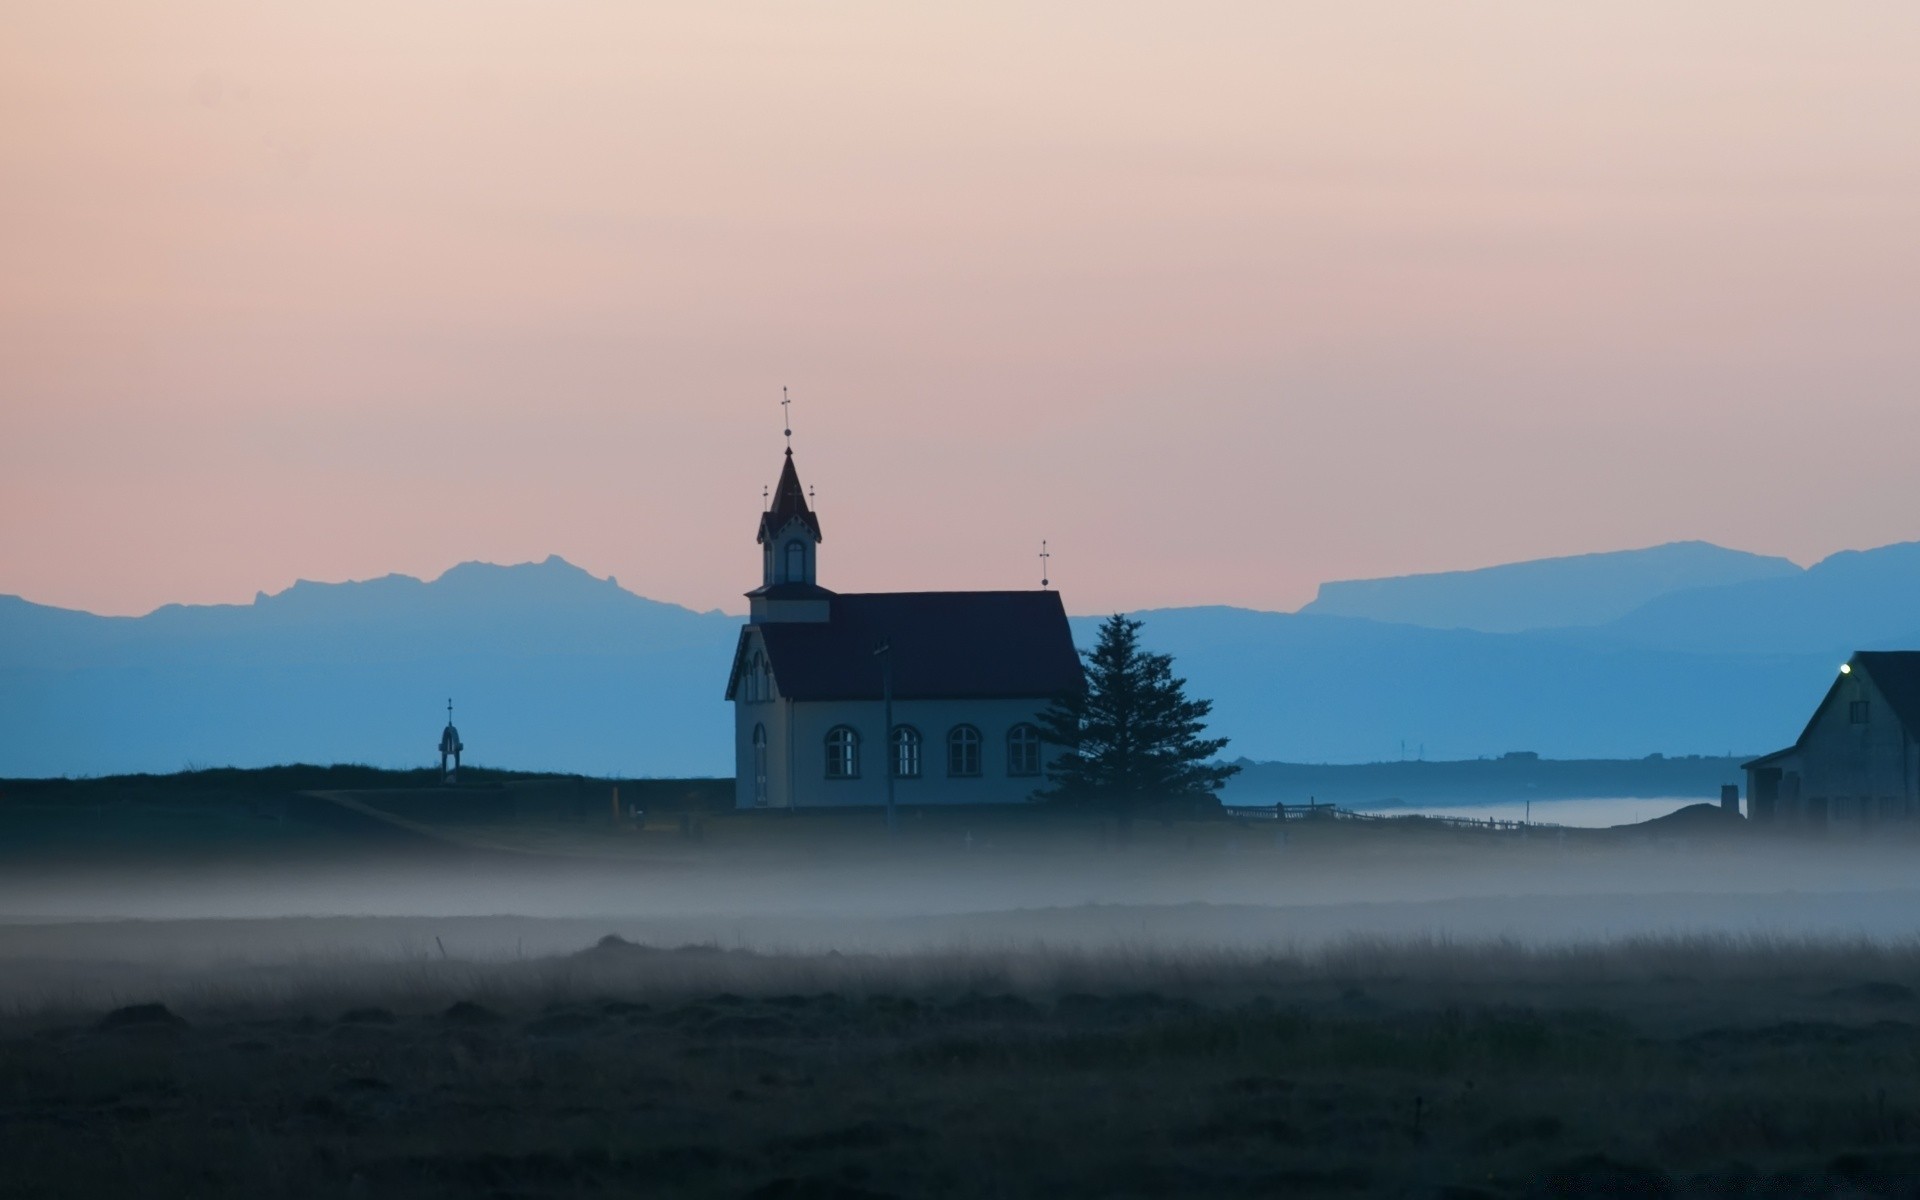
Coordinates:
(1222, 299)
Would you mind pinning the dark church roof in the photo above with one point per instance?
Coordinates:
(1895, 672)
(945, 645)
(789, 505)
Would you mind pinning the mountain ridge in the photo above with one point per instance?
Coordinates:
(1566, 591)
(554, 668)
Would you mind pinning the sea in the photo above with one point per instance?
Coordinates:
(1588, 813)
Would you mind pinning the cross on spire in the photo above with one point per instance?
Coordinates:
(786, 414)
(1044, 556)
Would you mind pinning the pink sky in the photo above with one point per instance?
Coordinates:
(1223, 300)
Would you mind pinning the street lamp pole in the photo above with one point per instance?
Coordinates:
(884, 652)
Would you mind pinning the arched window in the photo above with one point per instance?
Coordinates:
(906, 752)
(760, 766)
(796, 562)
(963, 750)
(1023, 750)
(843, 753)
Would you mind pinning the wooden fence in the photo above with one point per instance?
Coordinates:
(1330, 812)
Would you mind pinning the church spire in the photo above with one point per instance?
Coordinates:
(789, 505)
(789, 530)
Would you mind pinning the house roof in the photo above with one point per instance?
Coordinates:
(789, 505)
(944, 645)
(1895, 672)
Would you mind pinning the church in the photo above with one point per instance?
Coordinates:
(965, 674)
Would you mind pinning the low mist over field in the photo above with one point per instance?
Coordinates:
(1235, 894)
(277, 882)
(990, 1001)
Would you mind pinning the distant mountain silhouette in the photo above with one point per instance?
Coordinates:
(1547, 593)
(553, 669)
(550, 668)
(1854, 600)
(1306, 688)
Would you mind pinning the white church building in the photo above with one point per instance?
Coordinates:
(968, 673)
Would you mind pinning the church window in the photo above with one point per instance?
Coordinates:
(843, 753)
(796, 562)
(1857, 712)
(963, 751)
(1023, 750)
(760, 766)
(906, 752)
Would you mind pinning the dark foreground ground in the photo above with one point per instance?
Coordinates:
(1648, 1068)
(215, 986)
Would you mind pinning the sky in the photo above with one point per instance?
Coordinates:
(1220, 299)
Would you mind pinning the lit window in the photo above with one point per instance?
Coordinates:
(963, 751)
(1023, 750)
(906, 752)
(843, 753)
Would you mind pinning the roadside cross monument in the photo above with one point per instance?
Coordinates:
(450, 748)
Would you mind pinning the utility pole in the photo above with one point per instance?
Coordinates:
(883, 650)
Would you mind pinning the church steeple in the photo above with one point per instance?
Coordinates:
(789, 544)
(789, 533)
(789, 504)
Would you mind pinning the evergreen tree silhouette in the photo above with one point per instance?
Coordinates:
(1133, 739)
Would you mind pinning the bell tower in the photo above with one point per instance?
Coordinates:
(789, 534)
(789, 550)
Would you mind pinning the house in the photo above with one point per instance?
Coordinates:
(965, 674)
(1856, 763)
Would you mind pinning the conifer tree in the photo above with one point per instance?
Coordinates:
(1133, 739)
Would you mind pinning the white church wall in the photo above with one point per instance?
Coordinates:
(766, 710)
(746, 717)
(933, 718)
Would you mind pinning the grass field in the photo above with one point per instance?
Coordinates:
(1641, 1068)
(217, 989)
